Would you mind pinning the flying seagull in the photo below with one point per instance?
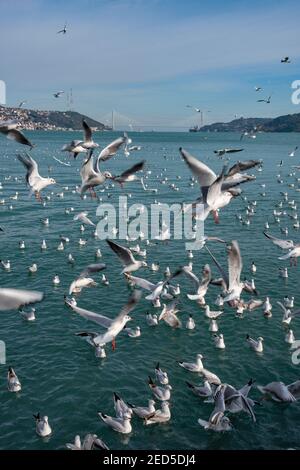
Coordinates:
(58, 93)
(268, 100)
(9, 129)
(227, 150)
(64, 30)
(217, 191)
(35, 181)
(233, 284)
(286, 60)
(198, 110)
(113, 326)
(127, 259)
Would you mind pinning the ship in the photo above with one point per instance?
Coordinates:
(195, 129)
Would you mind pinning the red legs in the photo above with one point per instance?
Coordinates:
(38, 196)
(216, 217)
(113, 344)
(93, 193)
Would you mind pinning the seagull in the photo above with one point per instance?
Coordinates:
(212, 315)
(75, 147)
(13, 383)
(168, 314)
(43, 428)
(234, 286)
(152, 320)
(289, 337)
(121, 425)
(268, 100)
(201, 286)
(292, 255)
(83, 217)
(90, 442)
(288, 315)
(57, 94)
(133, 332)
(217, 421)
(219, 341)
(278, 391)
(159, 416)
(202, 391)
(64, 30)
(155, 289)
(256, 345)
(258, 88)
(22, 104)
(221, 152)
(161, 375)
(238, 400)
(161, 393)
(14, 299)
(29, 316)
(285, 60)
(292, 154)
(190, 324)
(193, 366)
(121, 408)
(35, 181)
(77, 285)
(113, 326)
(198, 110)
(217, 191)
(9, 129)
(128, 261)
(283, 244)
(90, 336)
(91, 175)
(143, 411)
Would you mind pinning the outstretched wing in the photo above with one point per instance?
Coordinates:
(87, 131)
(221, 270)
(92, 316)
(130, 305)
(123, 253)
(203, 173)
(234, 264)
(30, 165)
(111, 149)
(12, 299)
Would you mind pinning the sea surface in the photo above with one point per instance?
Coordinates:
(60, 375)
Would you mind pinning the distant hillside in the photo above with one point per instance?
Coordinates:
(48, 120)
(287, 123)
(237, 125)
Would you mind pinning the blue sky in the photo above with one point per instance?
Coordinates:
(148, 59)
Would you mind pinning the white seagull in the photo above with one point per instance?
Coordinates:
(35, 181)
(113, 326)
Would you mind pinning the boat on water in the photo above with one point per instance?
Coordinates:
(194, 129)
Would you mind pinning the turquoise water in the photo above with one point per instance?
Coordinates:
(60, 375)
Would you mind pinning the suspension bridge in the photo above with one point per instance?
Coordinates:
(118, 121)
